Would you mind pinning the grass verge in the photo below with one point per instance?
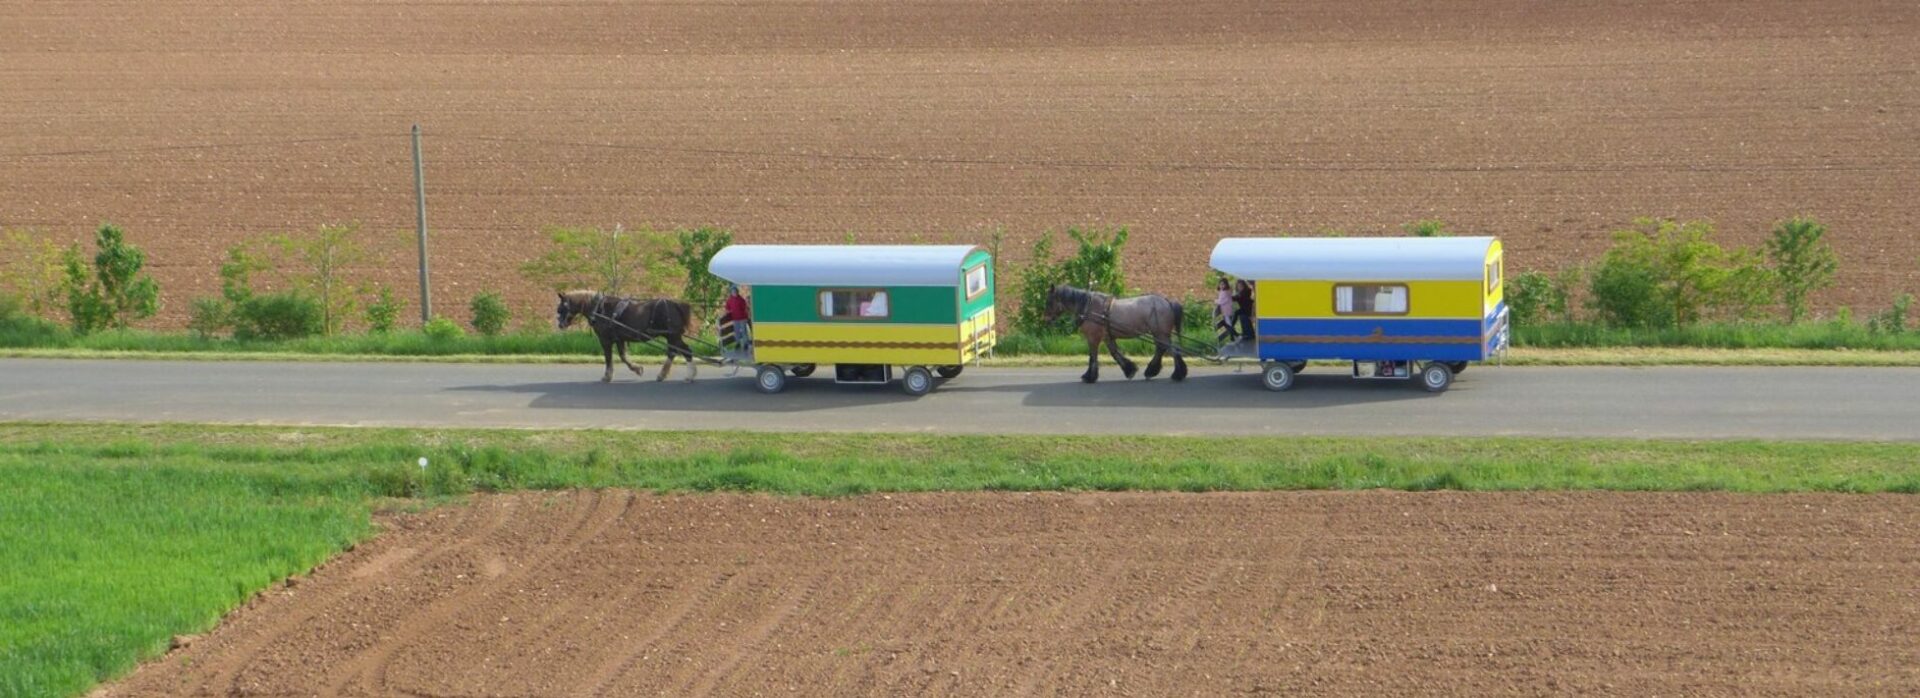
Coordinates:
(1828, 344)
(1623, 356)
(114, 538)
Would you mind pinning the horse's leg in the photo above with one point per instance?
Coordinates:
(1126, 365)
(676, 343)
(668, 366)
(1153, 364)
(606, 352)
(623, 359)
(1093, 358)
(1179, 365)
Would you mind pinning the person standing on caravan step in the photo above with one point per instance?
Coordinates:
(1243, 309)
(1223, 317)
(741, 319)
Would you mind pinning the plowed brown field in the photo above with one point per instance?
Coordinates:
(1367, 593)
(1548, 123)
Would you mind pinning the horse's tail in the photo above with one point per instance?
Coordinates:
(1179, 317)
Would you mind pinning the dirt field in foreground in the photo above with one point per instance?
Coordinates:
(195, 124)
(1372, 593)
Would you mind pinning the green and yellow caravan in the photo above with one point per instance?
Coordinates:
(868, 310)
(1396, 307)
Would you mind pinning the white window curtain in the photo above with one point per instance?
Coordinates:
(878, 306)
(1343, 299)
(1392, 299)
(826, 304)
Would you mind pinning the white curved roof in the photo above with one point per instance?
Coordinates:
(1355, 259)
(841, 265)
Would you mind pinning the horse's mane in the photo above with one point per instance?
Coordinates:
(1072, 294)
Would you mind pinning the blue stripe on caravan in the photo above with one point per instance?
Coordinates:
(1363, 327)
(1494, 316)
(1369, 352)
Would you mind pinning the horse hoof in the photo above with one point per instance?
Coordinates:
(640, 372)
(607, 378)
(1088, 379)
(690, 374)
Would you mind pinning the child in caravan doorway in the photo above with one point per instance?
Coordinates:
(1243, 308)
(1223, 313)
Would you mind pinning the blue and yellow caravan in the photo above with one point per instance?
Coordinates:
(865, 309)
(1395, 307)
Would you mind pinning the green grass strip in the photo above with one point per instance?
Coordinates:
(114, 538)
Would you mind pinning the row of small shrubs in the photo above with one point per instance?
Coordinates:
(1658, 281)
(1660, 276)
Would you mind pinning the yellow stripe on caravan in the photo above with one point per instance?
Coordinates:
(1314, 299)
(1499, 290)
(856, 343)
(980, 335)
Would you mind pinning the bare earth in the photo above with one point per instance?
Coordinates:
(197, 123)
(1321, 593)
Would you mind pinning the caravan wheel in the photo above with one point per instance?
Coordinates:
(769, 379)
(917, 381)
(802, 370)
(1436, 377)
(949, 371)
(1277, 376)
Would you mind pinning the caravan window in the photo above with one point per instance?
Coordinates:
(976, 281)
(1493, 275)
(1369, 299)
(853, 304)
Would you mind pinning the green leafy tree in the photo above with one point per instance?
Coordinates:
(1095, 265)
(321, 264)
(1894, 319)
(1534, 298)
(1428, 228)
(695, 251)
(490, 314)
(383, 311)
(1802, 261)
(32, 270)
(253, 314)
(441, 329)
(114, 291)
(613, 261)
(1663, 273)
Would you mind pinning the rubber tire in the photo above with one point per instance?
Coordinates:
(1436, 377)
(769, 379)
(948, 371)
(1297, 366)
(917, 381)
(1457, 367)
(1277, 376)
(801, 370)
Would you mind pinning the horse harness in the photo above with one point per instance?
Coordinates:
(598, 312)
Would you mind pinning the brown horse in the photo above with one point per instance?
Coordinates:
(617, 320)
(1102, 318)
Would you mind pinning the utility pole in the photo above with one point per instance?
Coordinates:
(420, 209)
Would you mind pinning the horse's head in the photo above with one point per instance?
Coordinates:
(573, 304)
(1059, 300)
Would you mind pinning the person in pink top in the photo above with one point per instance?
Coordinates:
(1223, 313)
(737, 313)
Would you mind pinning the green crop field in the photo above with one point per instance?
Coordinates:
(114, 539)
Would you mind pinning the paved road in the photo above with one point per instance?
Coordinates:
(1822, 403)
